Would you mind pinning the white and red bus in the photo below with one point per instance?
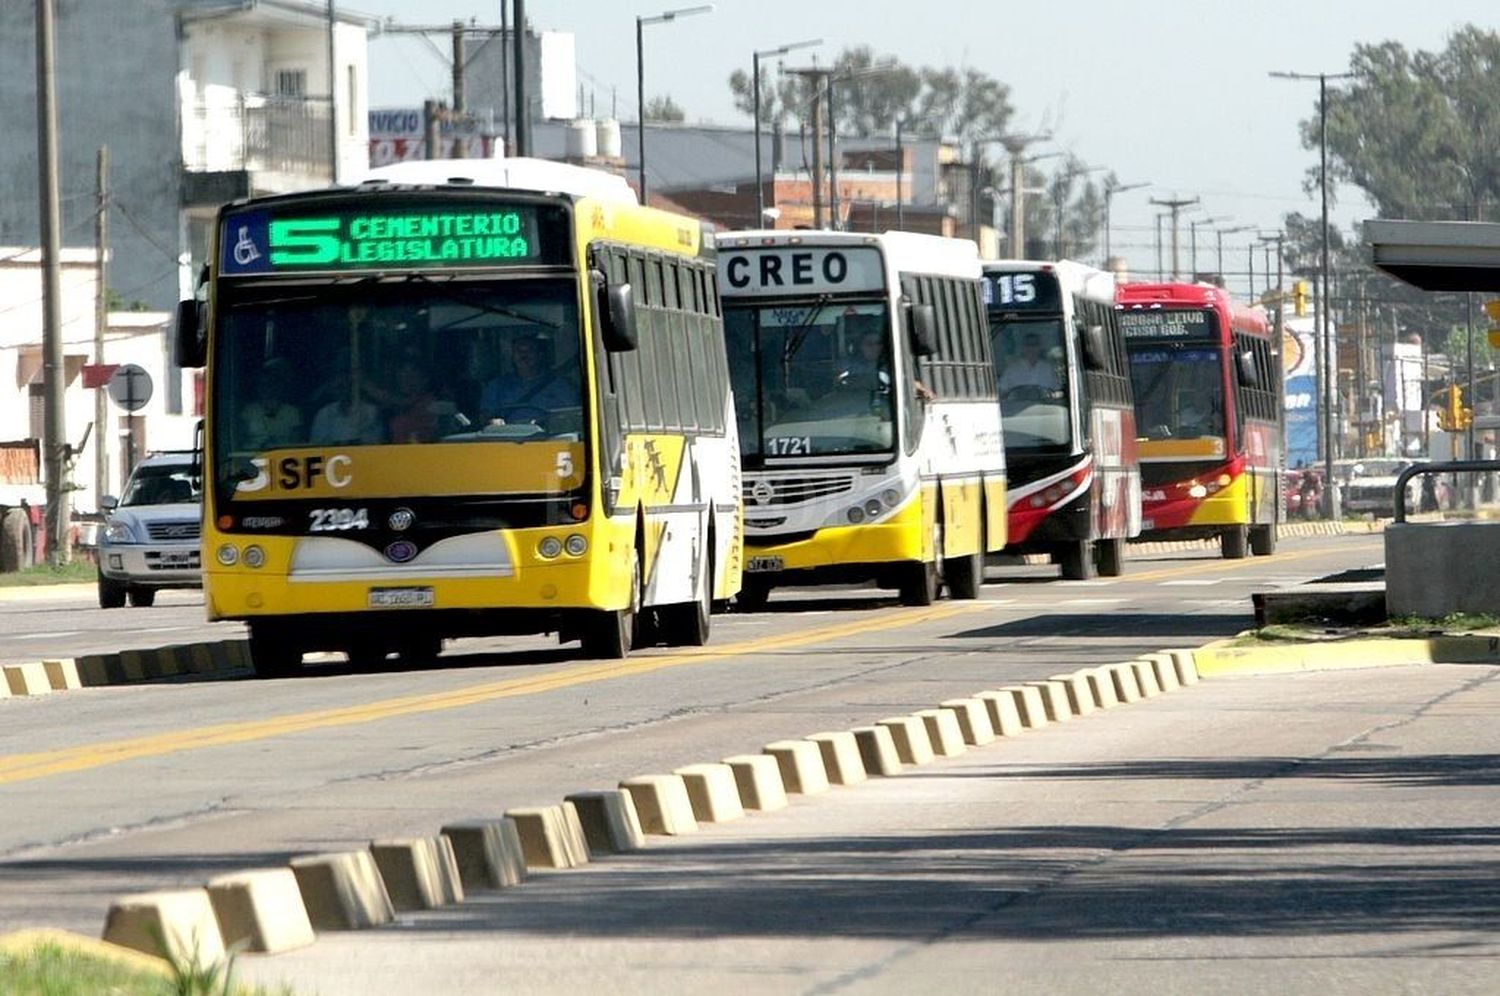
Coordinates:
(1064, 386)
(1206, 377)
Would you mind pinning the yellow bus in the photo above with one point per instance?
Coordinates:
(466, 398)
(868, 421)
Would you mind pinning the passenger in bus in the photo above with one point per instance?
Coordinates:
(271, 420)
(1195, 416)
(867, 369)
(416, 421)
(349, 418)
(1030, 376)
(532, 392)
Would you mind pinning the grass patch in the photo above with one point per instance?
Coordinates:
(72, 573)
(1454, 622)
(51, 970)
(1402, 628)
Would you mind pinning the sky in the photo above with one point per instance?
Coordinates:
(1174, 93)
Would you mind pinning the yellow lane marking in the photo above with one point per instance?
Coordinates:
(1209, 567)
(25, 767)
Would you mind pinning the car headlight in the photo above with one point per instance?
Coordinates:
(118, 532)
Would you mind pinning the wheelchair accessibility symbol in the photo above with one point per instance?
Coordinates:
(245, 251)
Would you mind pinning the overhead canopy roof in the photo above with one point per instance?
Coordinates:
(1438, 255)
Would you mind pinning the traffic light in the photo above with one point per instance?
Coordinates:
(1301, 290)
(1492, 309)
(1453, 416)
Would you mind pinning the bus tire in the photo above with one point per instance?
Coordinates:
(111, 593)
(1234, 543)
(273, 654)
(919, 583)
(753, 596)
(686, 624)
(1076, 560)
(422, 649)
(610, 633)
(15, 541)
(1111, 554)
(1263, 540)
(964, 575)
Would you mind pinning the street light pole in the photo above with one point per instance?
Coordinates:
(1110, 189)
(760, 194)
(1221, 232)
(1193, 224)
(1321, 324)
(640, 79)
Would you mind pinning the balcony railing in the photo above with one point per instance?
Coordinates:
(227, 130)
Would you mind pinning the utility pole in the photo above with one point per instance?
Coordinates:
(1015, 146)
(900, 168)
(1221, 232)
(1193, 224)
(523, 100)
(55, 441)
(333, 95)
(101, 322)
(458, 32)
(834, 221)
(505, 73)
(1175, 206)
(1110, 189)
(817, 79)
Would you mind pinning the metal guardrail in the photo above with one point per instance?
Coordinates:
(1446, 467)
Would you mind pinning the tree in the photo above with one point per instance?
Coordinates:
(664, 109)
(873, 92)
(1419, 132)
(785, 97)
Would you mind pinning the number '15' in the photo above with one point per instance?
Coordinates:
(306, 242)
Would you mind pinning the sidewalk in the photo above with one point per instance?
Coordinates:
(1324, 832)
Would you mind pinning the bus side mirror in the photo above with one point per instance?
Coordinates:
(621, 333)
(921, 326)
(188, 335)
(1095, 351)
(1245, 365)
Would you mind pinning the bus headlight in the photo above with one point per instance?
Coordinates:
(872, 508)
(576, 545)
(228, 555)
(549, 547)
(1224, 480)
(254, 556)
(891, 497)
(1197, 491)
(856, 515)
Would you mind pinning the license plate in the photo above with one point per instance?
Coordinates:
(758, 565)
(401, 598)
(181, 559)
(1147, 525)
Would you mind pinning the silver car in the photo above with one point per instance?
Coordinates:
(150, 540)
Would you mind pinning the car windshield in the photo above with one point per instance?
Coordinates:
(1030, 366)
(811, 379)
(164, 484)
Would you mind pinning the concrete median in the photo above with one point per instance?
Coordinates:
(1164, 669)
(342, 891)
(545, 837)
(841, 759)
(1185, 662)
(877, 748)
(1145, 678)
(178, 925)
(609, 820)
(29, 678)
(260, 911)
(801, 764)
(758, 778)
(909, 734)
(420, 873)
(943, 730)
(1080, 695)
(662, 803)
(973, 720)
(1102, 684)
(1029, 705)
(712, 792)
(488, 853)
(1127, 689)
(1005, 719)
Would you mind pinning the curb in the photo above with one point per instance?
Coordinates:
(128, 667)
(1219, 658)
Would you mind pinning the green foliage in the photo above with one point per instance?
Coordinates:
(1454, 622)
(73, 572)
(51, 970)
(664, 109)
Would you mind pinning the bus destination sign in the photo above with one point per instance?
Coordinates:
(256, 241)
(1158, 323)
(1022, 290)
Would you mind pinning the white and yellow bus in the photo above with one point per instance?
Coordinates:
(449, 402)
(868, 422)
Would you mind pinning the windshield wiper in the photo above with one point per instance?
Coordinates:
(492, 309)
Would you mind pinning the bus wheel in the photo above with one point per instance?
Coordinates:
(1233, 543)
(753, 596)
(919, 584)
(964, 575)
(419, 649)
(272, 654)
(15, 541)
(1111, 557)
(1077, 560)
(686, 624)
(609, 634)
(1263, 540)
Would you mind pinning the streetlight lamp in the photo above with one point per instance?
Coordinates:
(1110, 189)
(760, 194)
(640, 77)
(1221, 232)
(1193, 224)
(1320, 322)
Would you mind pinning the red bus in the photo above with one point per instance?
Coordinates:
(1206, 378)
(1064, 386)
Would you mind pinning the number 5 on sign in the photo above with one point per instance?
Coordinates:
(565, 464)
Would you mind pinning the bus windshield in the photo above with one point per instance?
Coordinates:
(812, 378)
(373, 362)
(1179, 392)
(1031, 369)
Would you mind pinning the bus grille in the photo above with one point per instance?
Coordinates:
(765, 491)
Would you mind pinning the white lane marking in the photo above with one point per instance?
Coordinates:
(1215, 603)
(1089, 601)
(45, 636)
(1191, 583)
(1086, 584)
(163, 629)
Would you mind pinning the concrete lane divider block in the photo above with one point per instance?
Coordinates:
(544, 836)
(758, 777)
(943, 730)
(574, 838)
(1165, 670)
(1126, 688)
(877, 748)
(609, 820)
(29, 678)
(1145, 679)
(488, 853)
(1080, 695)
(801, 764)
(1054, 700)
(200, 658)
(713, 792)
(419, 873)
(1102, 684)
(973, 720)
(662, 803)
(93, 670)
(909, 734)
(62, 674)
(1187, 668)
(841, 758)
(1005, 719)
(260, 911)
(1029, 705)
(178, 925)
(342, 890)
